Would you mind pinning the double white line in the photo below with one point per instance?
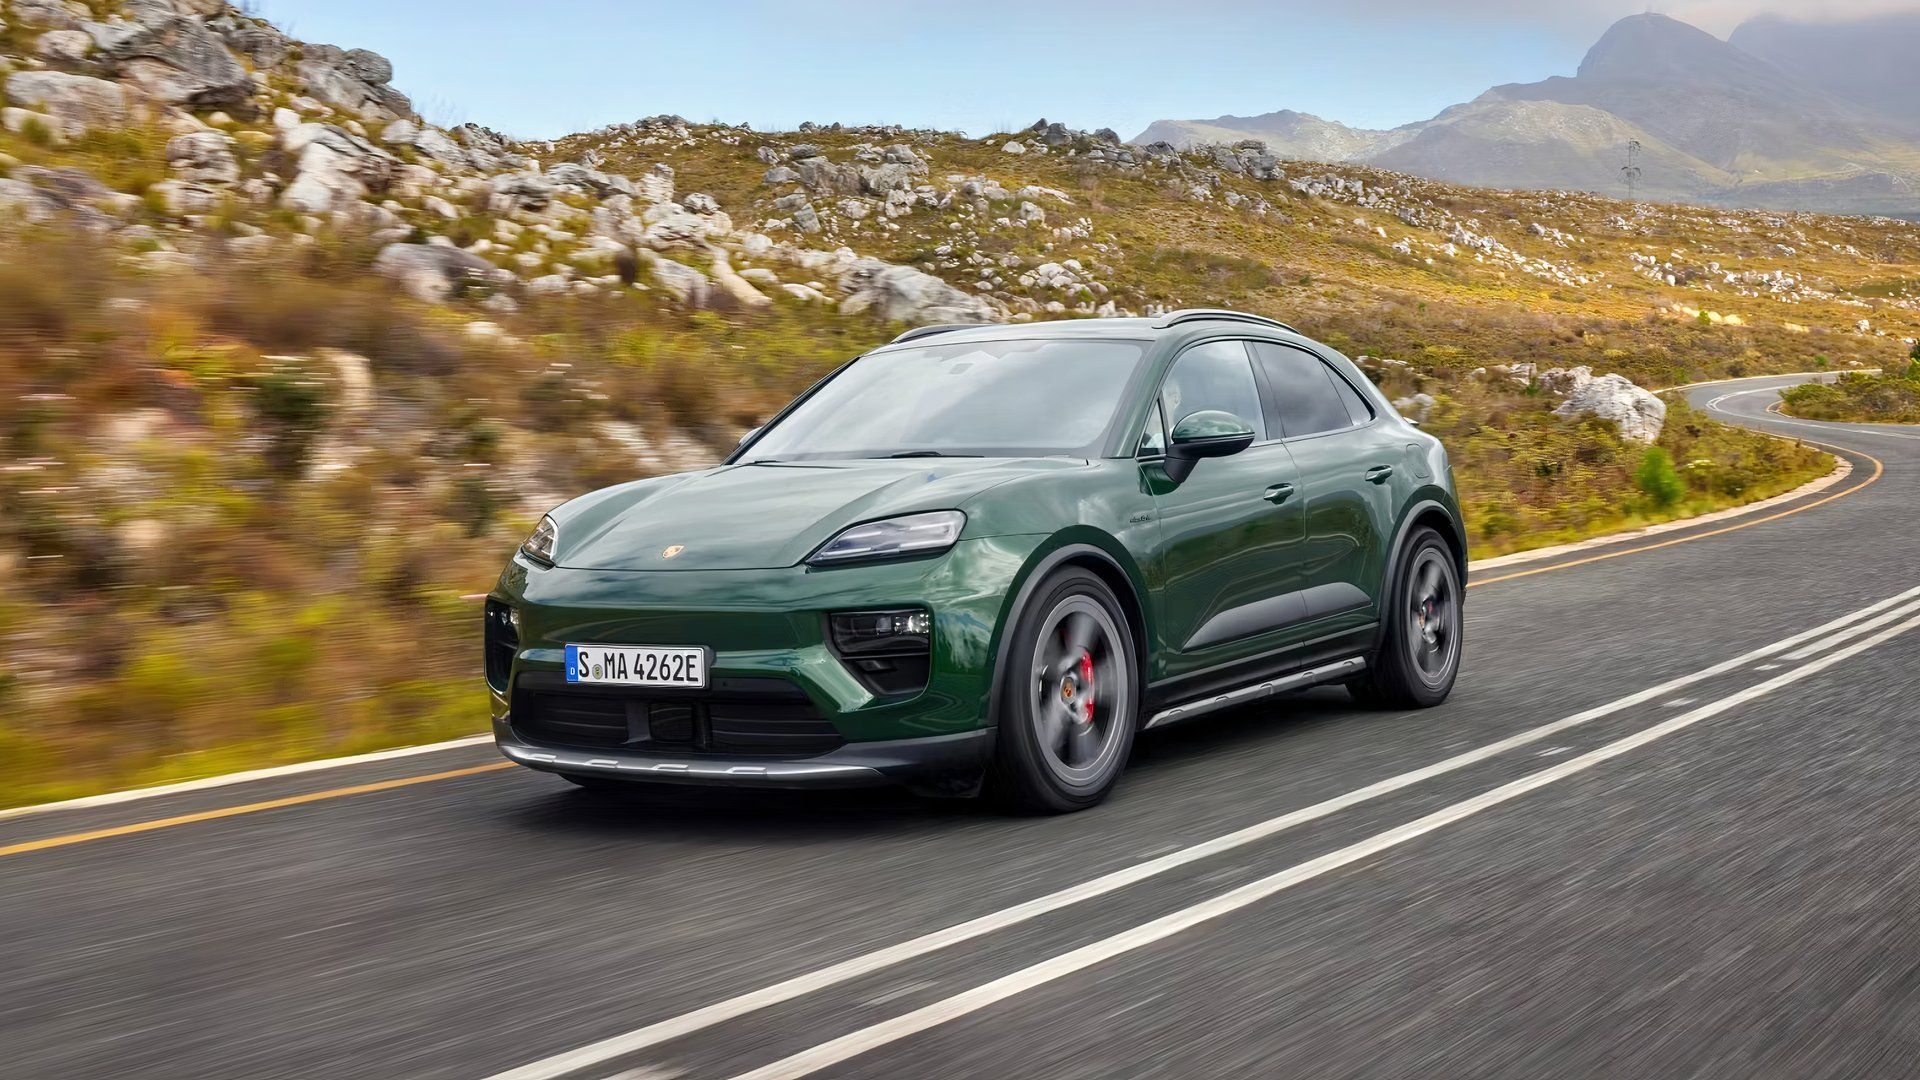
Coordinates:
(1902, 612)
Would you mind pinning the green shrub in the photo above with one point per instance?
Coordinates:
(1658, 479)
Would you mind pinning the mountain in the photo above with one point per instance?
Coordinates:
(1868, 61)
(1788, 123)
(1297, 135)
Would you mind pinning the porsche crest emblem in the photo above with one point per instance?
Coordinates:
(672, 551)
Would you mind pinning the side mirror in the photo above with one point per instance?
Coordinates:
(1205, 434)
(746, 437)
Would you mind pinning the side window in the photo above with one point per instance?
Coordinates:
(1216, 375)
(1153, 441)
(1357, 406)
(1304, 399)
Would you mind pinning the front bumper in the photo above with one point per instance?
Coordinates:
(941, 764)
(783, 708)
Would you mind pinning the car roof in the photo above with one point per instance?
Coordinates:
(1152, 328)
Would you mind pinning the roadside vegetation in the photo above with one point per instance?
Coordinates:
(1891, 397)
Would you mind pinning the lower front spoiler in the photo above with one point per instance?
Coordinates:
(938, 765)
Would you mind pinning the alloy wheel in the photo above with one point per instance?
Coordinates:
(1082, 691)
(1433, 617)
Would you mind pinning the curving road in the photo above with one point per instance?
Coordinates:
(1667, 825)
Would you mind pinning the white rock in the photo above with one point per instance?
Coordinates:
(66, 45)
(75, 102)
(1638, 414)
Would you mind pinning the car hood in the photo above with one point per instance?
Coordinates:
(747, 517)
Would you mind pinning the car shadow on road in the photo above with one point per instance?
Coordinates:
(1206, 746)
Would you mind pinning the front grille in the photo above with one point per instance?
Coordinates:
(737, 717)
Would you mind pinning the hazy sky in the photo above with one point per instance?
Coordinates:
(555, 66)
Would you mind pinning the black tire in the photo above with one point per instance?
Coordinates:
(1066, 725)
(1420, 641)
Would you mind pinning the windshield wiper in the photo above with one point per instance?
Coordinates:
(928, 453)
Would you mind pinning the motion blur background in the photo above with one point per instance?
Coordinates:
(287, 369)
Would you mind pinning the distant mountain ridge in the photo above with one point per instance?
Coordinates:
(1786, 113)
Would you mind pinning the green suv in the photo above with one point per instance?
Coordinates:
(988, 556)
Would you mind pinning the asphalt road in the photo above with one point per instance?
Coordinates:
(1666, 826)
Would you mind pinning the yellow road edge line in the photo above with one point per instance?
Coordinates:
(246, 808)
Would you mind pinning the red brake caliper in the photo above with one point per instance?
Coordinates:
(1086, 681)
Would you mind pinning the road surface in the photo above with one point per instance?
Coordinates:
(1667, 825)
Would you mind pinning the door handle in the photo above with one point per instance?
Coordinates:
(1278, 493)
(1379, 473)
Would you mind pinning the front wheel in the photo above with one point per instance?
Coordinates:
(1419, 654)
(1069, 698)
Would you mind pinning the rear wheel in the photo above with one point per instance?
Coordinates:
(1069, 698)
(1419, 654)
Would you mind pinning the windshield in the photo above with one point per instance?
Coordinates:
(1035, 398)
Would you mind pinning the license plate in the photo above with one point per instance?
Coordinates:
(637, 665)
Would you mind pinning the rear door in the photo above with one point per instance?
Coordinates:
(1231, 532)
(1346, 461)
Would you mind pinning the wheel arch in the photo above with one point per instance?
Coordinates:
(1438, 516)
(1109, 563)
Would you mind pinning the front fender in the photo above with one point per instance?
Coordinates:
(1082, 546)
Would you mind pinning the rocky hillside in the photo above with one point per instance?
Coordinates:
(285, 370)
(1805, 115)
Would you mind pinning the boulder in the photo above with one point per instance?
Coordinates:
(801, 210)
(19, 198)
(267, 47)
(683, 282)
(336, 168)
(592, 181)
(1637, 414)
(172, 58)
(434, 143)
(829, 178)
(51, 14)
(64, 45)
(524, 191)
(904, 294)
(204, 157)
(736, 287)
(353, 79)
(74, 102)
(434, 273)
(670, 225)
(183, 197)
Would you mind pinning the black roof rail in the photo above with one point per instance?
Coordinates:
(938, 328)
(1174, 318)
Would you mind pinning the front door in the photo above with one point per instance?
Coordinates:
(1231, 532)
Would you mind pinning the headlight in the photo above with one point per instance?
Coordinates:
(539, 546)
(916, 534)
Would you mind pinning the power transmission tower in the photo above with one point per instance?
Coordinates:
(1631, 170)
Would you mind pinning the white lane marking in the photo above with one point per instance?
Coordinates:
(855, 967)
(870, 1038)
(113, 797)
(1851, 632)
